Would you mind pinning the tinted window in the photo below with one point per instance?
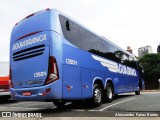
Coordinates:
(130, 61)
(70, 31)
(102, 46)
(89, 40)
(86, 40)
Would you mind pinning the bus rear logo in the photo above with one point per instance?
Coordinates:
(31, 41)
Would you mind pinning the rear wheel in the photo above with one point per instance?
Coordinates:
(59, 104)
(97, 95)
(137, 92)
(108, 93)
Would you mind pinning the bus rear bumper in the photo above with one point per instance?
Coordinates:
(42, 93)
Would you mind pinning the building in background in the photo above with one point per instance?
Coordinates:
(144, 50)
(129, 49)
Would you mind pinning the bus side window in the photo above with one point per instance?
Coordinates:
(89, 40)
(102, 46)
(67, 25)
(71, 31)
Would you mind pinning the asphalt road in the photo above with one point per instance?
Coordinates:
(125, 103)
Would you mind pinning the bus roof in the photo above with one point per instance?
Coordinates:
(57, 12)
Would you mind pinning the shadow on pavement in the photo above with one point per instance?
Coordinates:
(7, 101)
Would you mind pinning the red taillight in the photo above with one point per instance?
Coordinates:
(16, 24)
(30, 15)
(26, 17)
(48, 90)
(48, 9)
(10, 78)
(29, 34)
(53, 74)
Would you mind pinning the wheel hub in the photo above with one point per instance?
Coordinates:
(97, 95)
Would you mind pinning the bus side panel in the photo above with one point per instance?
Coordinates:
(123, 83)
(71, 82)
(115, 85)
(130, 83)
(86, 83)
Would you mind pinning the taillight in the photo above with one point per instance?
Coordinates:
(10, 78)
(29, 34)
(53, 74)
(30, 15)
(48, 9)
(26, 18)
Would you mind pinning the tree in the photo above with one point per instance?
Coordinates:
(151, 65)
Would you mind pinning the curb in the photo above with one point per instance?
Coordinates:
(150, 90)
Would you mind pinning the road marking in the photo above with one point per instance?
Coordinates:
(54, 107)
(116, 104)
(94, 110)
(78, 110)
(68, 103)
(82, 110)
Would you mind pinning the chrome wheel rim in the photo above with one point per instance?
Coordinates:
(97, 95)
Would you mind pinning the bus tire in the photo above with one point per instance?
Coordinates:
(59, 104)
(108, 94)
(97, 95)
(138, 92)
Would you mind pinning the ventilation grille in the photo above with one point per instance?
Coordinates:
(29, 53)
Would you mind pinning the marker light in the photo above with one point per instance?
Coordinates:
(10, 80)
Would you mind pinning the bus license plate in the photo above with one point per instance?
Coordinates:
(27, 93)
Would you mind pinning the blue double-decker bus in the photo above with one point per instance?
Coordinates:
(54, 58)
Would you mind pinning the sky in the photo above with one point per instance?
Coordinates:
(134, 23)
